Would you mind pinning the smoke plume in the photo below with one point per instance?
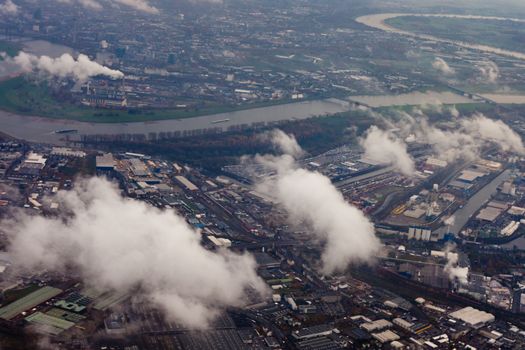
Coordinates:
(463, 142)
(310, 198)
(126, 245)
(449, 145)
(284, 143)
(442, 66)
(495, 131)
(452, 269)
(467, 140)
(386, 148)
(64, 66)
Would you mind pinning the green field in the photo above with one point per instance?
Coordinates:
(20, 96)
(502, 34)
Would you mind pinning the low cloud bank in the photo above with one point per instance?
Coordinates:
(463, 142)
(309, 198)
(126, 245)
(386, 148)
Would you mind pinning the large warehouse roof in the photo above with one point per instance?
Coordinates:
(489, 214)
(29, 301)
(49, 324)
(470, 175)
(105, 161)
(473, 317)
(187, 183)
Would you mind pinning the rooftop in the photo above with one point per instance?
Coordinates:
(472, 317)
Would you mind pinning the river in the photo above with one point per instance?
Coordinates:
(505, 98)
(463, 215)
(39, 129)
(412, 99)
(377, 21)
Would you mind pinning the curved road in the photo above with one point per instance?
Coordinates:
(377, 21)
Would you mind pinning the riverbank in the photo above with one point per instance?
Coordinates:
(38, 129)
(18, 96)
(378, 21)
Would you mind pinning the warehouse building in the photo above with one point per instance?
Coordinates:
(377, 325)
(469, 176)
(313, 332)
(49, 324)
(386, 336)
(28, 302)
(105, 162)
(473, 317)
(186, 183)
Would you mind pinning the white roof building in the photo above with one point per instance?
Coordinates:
(473, 317)
(187, 183)
(386, 336)
(35, 158)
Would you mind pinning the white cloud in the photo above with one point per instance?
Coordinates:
(385, 148)
(64, 66)
(495, 131)
(88, 4)
(442, 66)
(489, 71)
(144, 6)
(8, 7)
(140, 5)
(285, 143)
(449, 145)
(127, 245)
(309, 198)
(463, 142)
(455, 273)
